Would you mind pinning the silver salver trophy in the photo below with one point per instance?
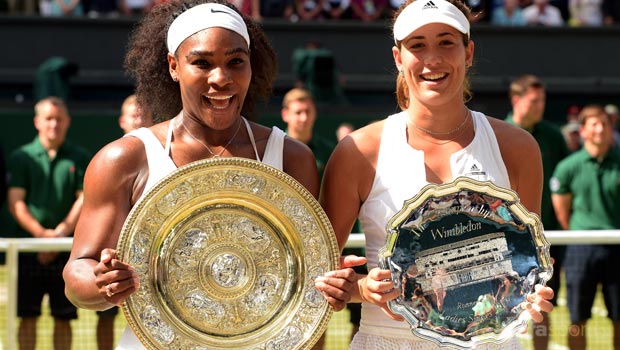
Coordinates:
(227, 250)
(465, 256)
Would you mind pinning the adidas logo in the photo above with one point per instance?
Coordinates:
(429, 5)
(475, 170)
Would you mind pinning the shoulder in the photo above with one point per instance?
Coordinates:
(120, 157)
(517, 146)
(511, 136)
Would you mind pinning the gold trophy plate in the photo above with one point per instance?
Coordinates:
(227, 250)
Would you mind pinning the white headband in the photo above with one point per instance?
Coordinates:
(202, 17)
(420, 13)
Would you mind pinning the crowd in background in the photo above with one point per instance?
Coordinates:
(497, 12)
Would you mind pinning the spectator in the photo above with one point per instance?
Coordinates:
(510, 14)
(45, 198)
(541, 13)
(69, 8)
(611, 12)
(528, 99)
(572, 114)
(309, 10)
(343, 130)
(249, 8)
(135, 7)
(614, 116)
(570, 131)
(299, 113)
(588, 13)
(586, 196)
(480, 10)
(103, 8)
(337, 9)
(131, 117)
(562, 5)
(368, 10)
(277, 9)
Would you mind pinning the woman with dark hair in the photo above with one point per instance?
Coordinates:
(433, 140)
(199, 66)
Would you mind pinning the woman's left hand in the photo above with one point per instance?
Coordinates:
(538, 302)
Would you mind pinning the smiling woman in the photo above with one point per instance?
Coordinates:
(199, 66)
(434, 140)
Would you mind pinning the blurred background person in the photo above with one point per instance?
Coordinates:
(45, 198)
(131, 117)
(541, 13)
(509, 14)
(528, 100)
(587, 13)
(570, 131)
(343, 130)
(611, 12)
(586, 196)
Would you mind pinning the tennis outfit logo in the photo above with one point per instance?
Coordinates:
(429, 5)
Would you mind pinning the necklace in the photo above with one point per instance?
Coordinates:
(214, 155)
(443, 133)
(458, 130)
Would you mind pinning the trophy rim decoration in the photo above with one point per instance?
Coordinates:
(299, 236)
(530, 220)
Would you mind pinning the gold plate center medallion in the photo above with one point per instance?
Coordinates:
(227, 250)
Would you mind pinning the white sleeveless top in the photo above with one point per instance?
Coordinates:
(160, 165)
(400, 175)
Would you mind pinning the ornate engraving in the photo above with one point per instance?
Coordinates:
(227, 250)
(464, 256)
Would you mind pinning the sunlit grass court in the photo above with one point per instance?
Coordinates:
(599, 328)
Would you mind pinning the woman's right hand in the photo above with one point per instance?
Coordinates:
(378, 288)
(115, 279)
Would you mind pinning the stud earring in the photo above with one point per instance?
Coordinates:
(175, 79)
(401, 71)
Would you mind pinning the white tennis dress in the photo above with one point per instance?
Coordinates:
(400, 175)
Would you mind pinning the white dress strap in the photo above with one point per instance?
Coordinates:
(249, 129)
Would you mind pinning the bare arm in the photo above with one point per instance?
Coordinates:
(562, 204)
(299, 162)
(108, 191)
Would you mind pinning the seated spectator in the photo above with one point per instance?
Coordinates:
(249, 8)
(611, 12)
(309, 10)
(480, 10)
(368, 10)
(587, 13)
(510, 14)
(69, 8)
(395, 5)
(541, 13)
(570, 131)
(562, 5)
(337, 9)
(135, 7)
(277, 9)
(102, 8)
